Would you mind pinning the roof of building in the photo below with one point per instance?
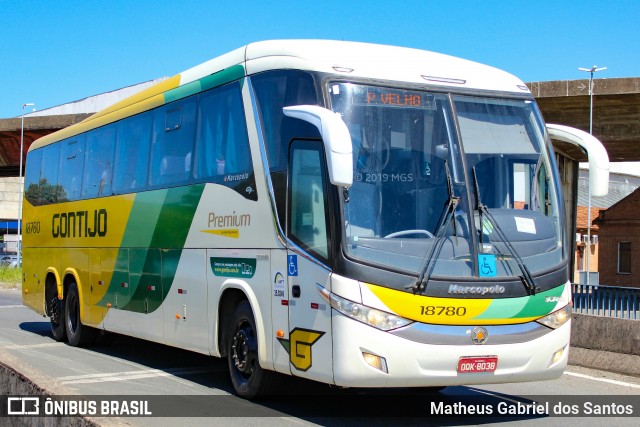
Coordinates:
(582, 218)
(95, 103)
(620, 186)
(619, 211)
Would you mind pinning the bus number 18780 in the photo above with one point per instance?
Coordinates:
(439, 310)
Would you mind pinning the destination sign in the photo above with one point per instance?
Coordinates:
(395, 98)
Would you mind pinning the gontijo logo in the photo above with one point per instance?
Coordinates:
(79, 224)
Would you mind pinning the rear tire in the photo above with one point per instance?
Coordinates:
(58, 329)
(249, 379)
(55, 310)
(78, 334)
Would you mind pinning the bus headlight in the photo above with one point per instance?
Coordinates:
(372, 317)
(557, 318)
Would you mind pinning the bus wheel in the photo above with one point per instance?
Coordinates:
(55, 311)
(57, 319)
(78, 334)
(248, 378)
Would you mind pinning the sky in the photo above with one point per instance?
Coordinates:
(54, 52)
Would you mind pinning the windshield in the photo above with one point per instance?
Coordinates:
(417, 190)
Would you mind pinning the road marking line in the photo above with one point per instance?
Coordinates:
(132, 375)
(30, 346)
(12, 306)
(604, 380)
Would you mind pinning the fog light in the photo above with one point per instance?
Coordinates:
(557, 356)
(376, 361)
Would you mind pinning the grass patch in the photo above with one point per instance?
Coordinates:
(10, 278)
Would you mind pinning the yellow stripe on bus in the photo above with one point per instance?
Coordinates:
(444, 311)
(146, 100)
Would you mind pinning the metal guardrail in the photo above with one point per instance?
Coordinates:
(610, 301)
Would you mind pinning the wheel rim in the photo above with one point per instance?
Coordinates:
(54, 309)
(73, 313)
(244, 349)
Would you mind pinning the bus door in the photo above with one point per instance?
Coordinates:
(310, 342)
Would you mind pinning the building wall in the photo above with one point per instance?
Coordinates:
(581, 260)
(620, 223)
(582, 248)
(9, 197)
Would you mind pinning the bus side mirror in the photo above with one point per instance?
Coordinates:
(336, 139)
(598, 157)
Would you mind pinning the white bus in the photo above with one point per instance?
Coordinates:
(355, 214)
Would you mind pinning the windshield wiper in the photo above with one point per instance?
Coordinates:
(527, 278)
(448, 212)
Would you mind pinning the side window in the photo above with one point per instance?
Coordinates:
(71, 167)
(32, 177)
(520, 185)
(132, 154)
(275, 90)
(222, 143)
(307, 198)
(98, 171)
(172, 144)
(50, 191)
(624, 257)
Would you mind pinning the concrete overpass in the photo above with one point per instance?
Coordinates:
(34, 128)
(616, 113)
(36, 125)
(44, 122)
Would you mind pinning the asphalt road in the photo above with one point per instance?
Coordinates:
(123, 366)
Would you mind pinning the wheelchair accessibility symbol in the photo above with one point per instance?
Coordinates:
(487, 265)
(292, 265)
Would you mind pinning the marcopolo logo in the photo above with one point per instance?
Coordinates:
(476, 290)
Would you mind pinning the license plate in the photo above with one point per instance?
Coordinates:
(478, 364)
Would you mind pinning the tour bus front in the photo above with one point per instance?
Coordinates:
(454, 265)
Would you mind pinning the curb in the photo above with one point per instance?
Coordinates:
(619, 363)
(19, 379)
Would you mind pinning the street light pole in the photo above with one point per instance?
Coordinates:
(591, 71)
(29, 104)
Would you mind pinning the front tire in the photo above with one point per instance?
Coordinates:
(247, 376)
(78, 334)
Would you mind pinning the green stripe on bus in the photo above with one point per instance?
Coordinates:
(503, 308)
(139, 232)
(522, 307)
(158, 219)
(209, 82)
(143, 219)
(538, 305)
(157, 272)
(175, 218)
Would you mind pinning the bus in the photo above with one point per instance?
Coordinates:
(355, 214)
